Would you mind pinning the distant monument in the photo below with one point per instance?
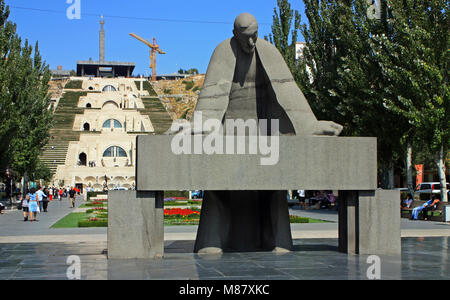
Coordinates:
(103, 68)
(102, 42)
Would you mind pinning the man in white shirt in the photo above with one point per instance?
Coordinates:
(40, 195)
(301, 195)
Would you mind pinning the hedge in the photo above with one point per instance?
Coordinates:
(98, 223)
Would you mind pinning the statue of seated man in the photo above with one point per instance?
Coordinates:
(247, 78)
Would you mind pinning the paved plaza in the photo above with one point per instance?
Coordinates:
(35, 251)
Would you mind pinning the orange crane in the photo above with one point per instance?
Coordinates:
(154, 49)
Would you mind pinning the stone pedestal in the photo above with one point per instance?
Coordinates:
(135, 225)
(369, 222)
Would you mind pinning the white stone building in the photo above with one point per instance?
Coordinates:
(105, 154)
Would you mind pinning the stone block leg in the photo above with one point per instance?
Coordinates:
(135, 225)
(369, 222)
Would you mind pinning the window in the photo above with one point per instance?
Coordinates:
(425, 187)
(109, 152)
(109, 88)
(120, 152)
(117, 124)
(107, 124)
(115, 151)
(111, 122)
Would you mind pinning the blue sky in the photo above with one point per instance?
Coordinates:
(188, 44)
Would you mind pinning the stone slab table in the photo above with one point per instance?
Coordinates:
(369, 218)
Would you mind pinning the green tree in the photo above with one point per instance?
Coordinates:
(343, 82)
(285, 29)
(414, 61)
(24, 86)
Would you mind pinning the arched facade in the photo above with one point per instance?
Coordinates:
(110, 104)
(109, 88)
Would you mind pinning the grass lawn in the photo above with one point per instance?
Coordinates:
(70, 221)
(296, 219)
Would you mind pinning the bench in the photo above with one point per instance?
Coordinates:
(436, 214)
(368, 218)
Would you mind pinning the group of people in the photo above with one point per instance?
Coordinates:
(322, 199)
(36, 200)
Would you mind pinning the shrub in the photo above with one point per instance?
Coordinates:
(188, 85)
(74, 84)
(167, 91)
(182, 194)
(295, 219)
(94, 194)
(93, 222)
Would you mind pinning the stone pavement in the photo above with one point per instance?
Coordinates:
(315, 259)
(36, 251)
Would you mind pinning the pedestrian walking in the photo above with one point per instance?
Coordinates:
(40, 194)
(60, 193)
(33, 204)
(72, 194)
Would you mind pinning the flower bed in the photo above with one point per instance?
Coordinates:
(181, 216)
(97, 209)
(94, 204)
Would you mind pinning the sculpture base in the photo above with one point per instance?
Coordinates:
(244, 221)
(135, 224)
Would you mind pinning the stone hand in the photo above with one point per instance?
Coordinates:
(327, 128)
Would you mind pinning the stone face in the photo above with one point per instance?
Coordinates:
(312, 163)
(135, 225)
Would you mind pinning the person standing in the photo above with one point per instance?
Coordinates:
(24, 205)
(301, 195)
(60, 194)
(45, 199)
(72, 194)
(33, 204)
(40, 194)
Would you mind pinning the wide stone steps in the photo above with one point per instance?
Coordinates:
(54, 154)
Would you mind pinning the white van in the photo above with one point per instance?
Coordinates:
(430, 187)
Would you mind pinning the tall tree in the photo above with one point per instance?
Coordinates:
(24, 81)
(414, 61)
(285, 29)
(342, 81)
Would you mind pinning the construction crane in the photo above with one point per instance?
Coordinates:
(154, 48)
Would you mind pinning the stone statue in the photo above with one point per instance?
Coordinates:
(247, 78)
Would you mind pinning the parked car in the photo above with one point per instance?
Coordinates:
(197, 194)
(425, 189)
(430, 187)
(120, 188)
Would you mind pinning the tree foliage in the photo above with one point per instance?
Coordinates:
(285, 29)
(24, 100)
